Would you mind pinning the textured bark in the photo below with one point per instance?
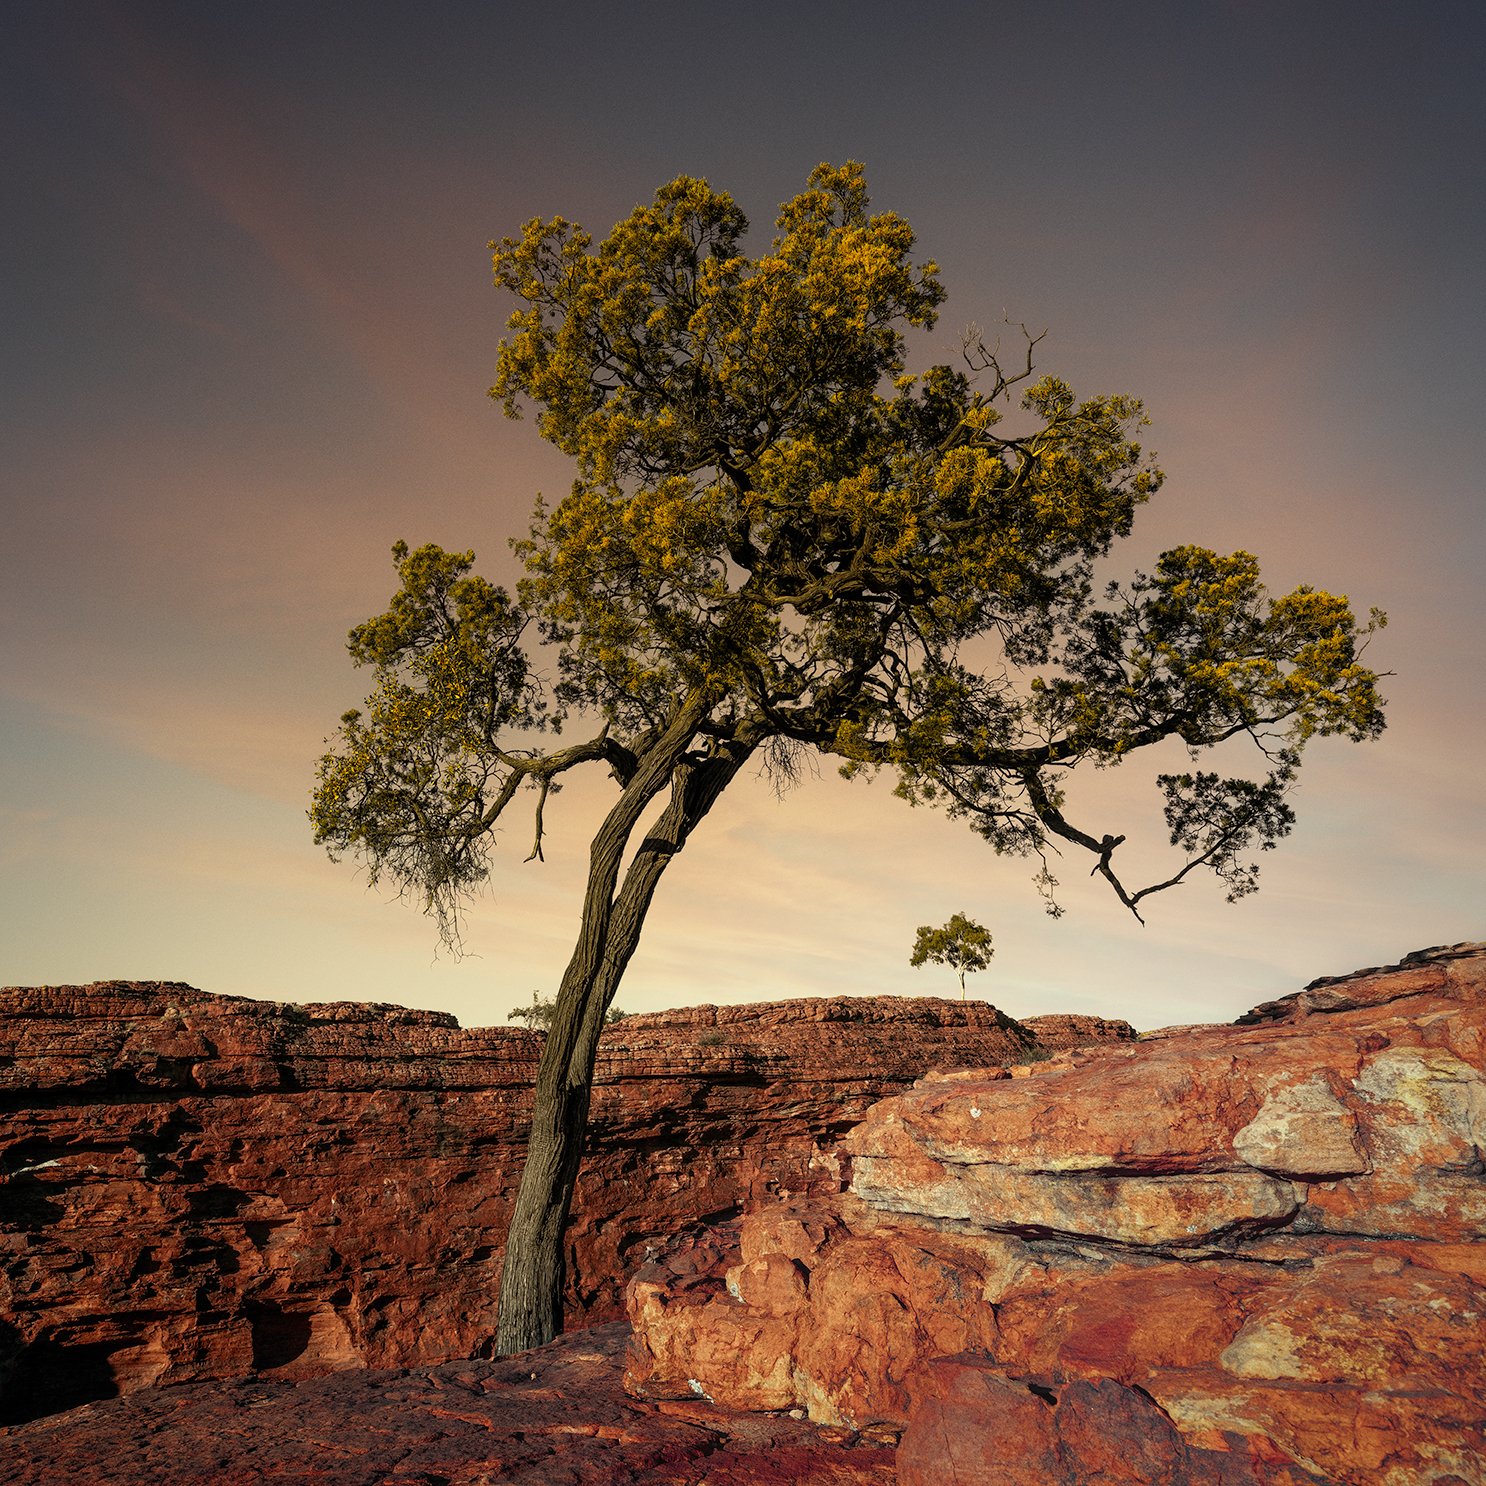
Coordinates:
(532, 1276)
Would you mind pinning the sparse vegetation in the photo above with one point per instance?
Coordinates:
(538, 1016)
(962, 944)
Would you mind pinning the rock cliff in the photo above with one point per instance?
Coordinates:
(1250, 1254)
(197, 1187)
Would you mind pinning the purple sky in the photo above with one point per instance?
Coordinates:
(248, 327)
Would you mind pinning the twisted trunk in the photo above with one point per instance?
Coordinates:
(532, 1277)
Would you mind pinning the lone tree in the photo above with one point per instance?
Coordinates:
(962, 944)
(776, 541)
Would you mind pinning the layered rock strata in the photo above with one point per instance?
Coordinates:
(1230, 1255)
(196, 1186)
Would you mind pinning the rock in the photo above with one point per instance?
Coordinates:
(1059, 1031)
(197, 1186)
(556, 1416)
(1249, 1254)
(1424, 972)
(1303, 1130)
(972, 1425)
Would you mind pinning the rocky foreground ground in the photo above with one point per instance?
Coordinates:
(1251, 1254)
(556, 1417)
(1232, 1256)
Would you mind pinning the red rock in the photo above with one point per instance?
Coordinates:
(196, 1186)
(553, 1417)
(871, 1300)
(1193, 1139)
(1060, 1030)
(972, 1426)
(1275, 1233)
(1424, 972)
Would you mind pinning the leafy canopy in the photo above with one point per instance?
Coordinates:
(777, 540)
(962, 944)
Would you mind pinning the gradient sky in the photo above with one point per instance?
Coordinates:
(248, 327)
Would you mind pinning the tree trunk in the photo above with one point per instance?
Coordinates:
(532, 1276)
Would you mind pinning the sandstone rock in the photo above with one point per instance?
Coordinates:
(973, 1426)
(1303, 1130)
(1061, 1030)
(873, 1299)
(1200, 1139)
(1253, 1254)
(1424, 972)
(553, 1417)
(197, 1186)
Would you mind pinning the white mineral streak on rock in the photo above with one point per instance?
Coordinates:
(1303, 1130)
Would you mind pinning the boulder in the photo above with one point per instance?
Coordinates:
(1252, 1253)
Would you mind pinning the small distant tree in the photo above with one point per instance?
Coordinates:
(538, 1016)
(777, 542)
(962, 944)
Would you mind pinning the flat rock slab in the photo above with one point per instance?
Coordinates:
(557, 1416)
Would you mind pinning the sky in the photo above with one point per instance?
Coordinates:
(248, 328)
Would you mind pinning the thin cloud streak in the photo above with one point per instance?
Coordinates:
(201, 120)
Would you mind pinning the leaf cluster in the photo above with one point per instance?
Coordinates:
(409, 784)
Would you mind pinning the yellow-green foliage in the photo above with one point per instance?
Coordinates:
(962, 944)
(409, 782)
(772, 521)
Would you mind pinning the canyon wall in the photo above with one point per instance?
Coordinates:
(1229, 1256)
(197, 1187)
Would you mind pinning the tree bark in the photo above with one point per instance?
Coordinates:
(532, 1276)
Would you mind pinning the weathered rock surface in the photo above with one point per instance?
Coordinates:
(196, 1186)
(1251, 1254)
(1060, 1030)
(553, 1417)
(973, 1425)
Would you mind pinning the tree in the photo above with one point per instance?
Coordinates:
(962, 944)
(777, 541)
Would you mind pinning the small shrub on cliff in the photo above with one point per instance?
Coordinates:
(538, 1016)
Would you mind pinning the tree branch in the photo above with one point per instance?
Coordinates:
(536, 846)
(979, 358)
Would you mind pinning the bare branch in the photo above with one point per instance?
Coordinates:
(1213, 838)
(536, 846)
(982, 358)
